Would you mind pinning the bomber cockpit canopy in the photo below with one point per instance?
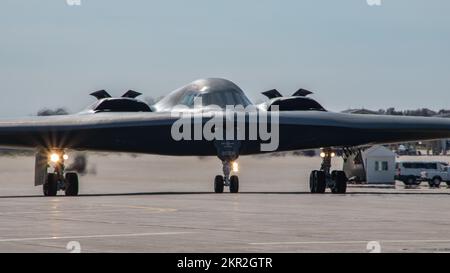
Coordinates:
(205, 92)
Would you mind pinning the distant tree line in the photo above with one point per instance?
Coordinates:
(422, 112)
(52, 112)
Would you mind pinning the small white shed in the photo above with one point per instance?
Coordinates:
(379, 163)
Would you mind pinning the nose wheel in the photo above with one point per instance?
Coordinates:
(219, 184)
(234, 184)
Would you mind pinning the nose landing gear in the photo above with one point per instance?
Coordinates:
(226, 180)
(227, 152)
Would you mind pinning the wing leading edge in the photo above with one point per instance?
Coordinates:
(151, 132)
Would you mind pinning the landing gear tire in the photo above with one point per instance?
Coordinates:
(340, 182)
(234, 184)
(71, 184)
(317, 182)
(435, 182)
(218, 184)
(50, 187)
(312, 182)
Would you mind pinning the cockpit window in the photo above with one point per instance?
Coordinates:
(187, 99)
(223, 98)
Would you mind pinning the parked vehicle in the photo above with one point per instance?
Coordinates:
(406, 150)
(434, 177)
(410, 172)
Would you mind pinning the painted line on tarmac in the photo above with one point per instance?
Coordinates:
(351, 242)
(99, 236)
(150, 209)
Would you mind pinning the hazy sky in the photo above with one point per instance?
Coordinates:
(349, 53)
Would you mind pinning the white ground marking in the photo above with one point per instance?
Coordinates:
(91, 236)
(152, 209)
(115, 208)
(351, 242)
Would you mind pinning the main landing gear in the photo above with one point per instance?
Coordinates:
(225, 180)
(59, 179)
(321, 179)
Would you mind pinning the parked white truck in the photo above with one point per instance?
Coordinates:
(434, 177)
(414, 172)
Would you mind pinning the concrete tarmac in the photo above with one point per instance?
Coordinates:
(165, 204)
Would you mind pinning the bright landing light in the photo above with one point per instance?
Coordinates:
(235, 167)
(54, 157)
(65, 156)
(323, 154)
